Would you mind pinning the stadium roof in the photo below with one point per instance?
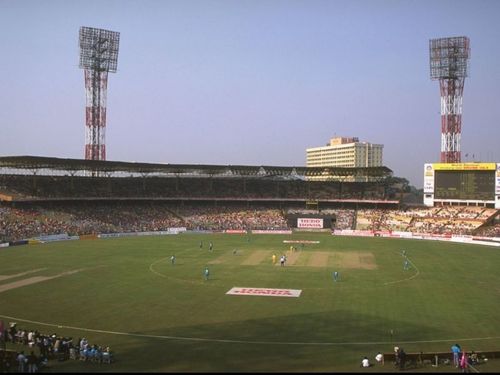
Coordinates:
(71, 166)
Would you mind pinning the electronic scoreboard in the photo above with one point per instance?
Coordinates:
(476, 183)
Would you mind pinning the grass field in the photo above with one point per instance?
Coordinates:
(156, 316)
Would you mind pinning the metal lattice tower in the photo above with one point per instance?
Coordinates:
(98, 56)
(449, 59)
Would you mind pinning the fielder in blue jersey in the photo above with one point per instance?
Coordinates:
(406, 265)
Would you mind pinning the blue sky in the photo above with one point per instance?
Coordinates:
(248, 82)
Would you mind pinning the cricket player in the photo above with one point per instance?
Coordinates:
(211, 246)
(406, 264)
(172, 259)
(335, 276)
(206, 273)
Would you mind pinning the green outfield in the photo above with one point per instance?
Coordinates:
(156, 316)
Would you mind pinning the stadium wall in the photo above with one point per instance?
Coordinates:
(476, 240)
(491, 241)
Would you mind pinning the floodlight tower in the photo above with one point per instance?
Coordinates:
(98, 56)
(449, 62)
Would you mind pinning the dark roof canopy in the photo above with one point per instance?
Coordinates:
(71, 166)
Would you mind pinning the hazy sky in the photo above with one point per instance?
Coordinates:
(248, 82)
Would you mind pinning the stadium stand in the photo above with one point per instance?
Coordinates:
(46, 196)
(465, 220)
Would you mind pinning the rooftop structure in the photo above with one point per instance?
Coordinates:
(345, 152)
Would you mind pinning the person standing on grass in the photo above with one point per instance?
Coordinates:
(335, 276)
(206, 273)
(455, 349)
(210, 246)
(406, 265)
(172, 259)
(464, 362)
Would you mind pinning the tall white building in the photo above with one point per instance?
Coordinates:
(345, 152)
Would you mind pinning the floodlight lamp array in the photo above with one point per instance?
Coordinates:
(449, 57)
(98, 49)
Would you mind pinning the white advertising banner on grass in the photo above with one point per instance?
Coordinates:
(264, 292)
(314, 223)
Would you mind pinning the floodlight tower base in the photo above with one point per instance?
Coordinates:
(451, 119)
(95, 114)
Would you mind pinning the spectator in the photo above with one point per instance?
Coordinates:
(473, 358)
(365, 362)
(32, 362)
(21, 360)
(455, 349)
(464, 362)
(402, 359)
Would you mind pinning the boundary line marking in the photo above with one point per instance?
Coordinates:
(409, 278)
(6, 277)
(192, 282)
(230, 341)
(155, 262)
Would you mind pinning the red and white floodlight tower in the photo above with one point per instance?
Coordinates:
(449, 59)
(98, 56)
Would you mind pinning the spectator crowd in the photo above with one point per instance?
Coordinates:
(90, 217)
(79, 218)
(461, 220)
(49, 347)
